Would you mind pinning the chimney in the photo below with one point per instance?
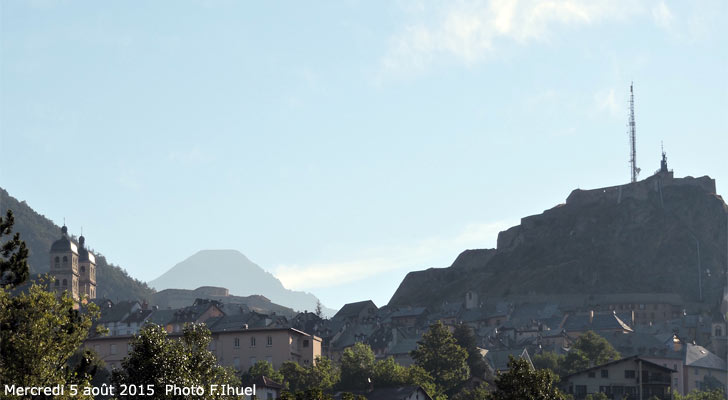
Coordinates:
(591, 317)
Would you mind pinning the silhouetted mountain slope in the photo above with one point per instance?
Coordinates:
(635, 238)
(232, 270)
(39, 233)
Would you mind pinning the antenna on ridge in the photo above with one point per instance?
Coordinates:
(632, 136)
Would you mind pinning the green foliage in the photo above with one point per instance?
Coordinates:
(589, 349)
(549, 360)
(85, 362)
(322, 375)
(357, 367)
(313, 394)
(38, 335)
(716, 394)
(465, 337)
(417, 375)
(596, 396)
(157, 360)
(295, 377)
(387, 373)
(480, 392)
(522, 382)
(442, 358)
(13, 255)
(260, 369)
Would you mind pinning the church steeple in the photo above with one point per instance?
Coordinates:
(663, 163)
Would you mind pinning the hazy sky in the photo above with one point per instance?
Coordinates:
(341, 144)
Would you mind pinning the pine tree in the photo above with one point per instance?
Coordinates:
(522, 382)
(439, 355)
(14, 261)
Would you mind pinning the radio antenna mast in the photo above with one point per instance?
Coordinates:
(632, 136)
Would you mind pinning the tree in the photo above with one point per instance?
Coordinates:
(387, 373)
(716, 394)
(549, 360)
(85, 362)
(323, 374)
(523, 382)
(295, 377)
(13, 255)
(39, 333)
(589, 349)
(596, 396)
(479, 392)
(417, 375)
(439, 355)
(319, 309)
(259, 369)
(357, 367)
(158, 361)
(466, 339)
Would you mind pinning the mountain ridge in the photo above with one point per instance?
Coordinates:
(227, 264)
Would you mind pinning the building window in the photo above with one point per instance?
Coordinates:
(65, 282)
(252, 361)
(269, 341)
(696, 371)
(269, 396)
(718, 331)
(58, 282)
(605, 373)
(591, 374)
(65, 259)
(305, 343)
(113, 349)
(83, 268)
(236, 343)
(629, 374)
(236, 363)
(252, 341)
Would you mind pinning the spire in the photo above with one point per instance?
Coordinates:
(663, 163)
(632, 136)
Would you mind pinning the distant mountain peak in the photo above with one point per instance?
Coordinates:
(231, 269)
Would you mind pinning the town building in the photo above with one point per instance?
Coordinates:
(73, 267)
(631, 377)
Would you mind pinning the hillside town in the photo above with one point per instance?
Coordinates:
(667, 344)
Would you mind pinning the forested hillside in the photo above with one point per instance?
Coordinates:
(39, 233)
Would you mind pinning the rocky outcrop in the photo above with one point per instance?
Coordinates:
(646, 237)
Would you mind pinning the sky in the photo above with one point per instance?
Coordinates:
(342, 144)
